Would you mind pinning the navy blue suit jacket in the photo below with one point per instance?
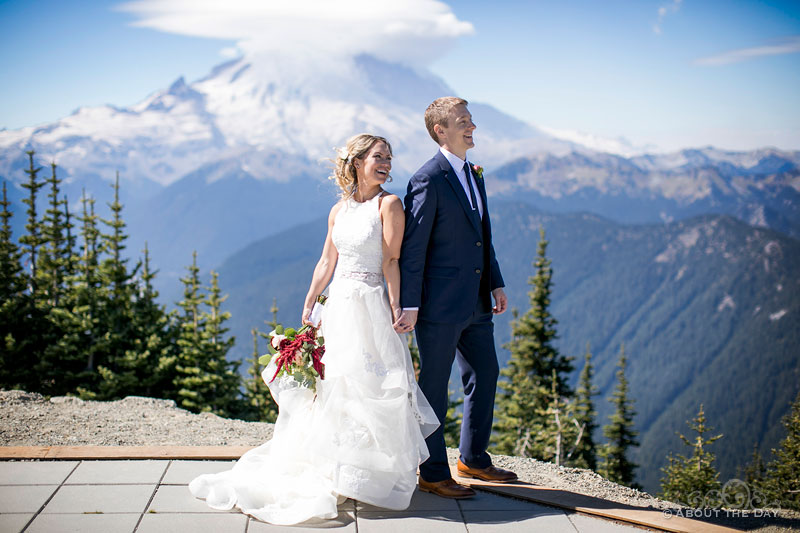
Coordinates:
(445, 250)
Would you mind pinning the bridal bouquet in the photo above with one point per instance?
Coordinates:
(297, 353)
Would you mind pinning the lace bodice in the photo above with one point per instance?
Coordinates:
(358, 237)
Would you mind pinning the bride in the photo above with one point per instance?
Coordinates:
(363, 435)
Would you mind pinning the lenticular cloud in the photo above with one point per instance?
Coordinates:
(412, 31)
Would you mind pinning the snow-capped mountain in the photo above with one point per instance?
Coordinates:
(262, 104)
(761, 187)
(241, 153)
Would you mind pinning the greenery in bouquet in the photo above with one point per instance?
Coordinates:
(297, 353)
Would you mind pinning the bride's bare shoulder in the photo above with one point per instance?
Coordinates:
(390, 202)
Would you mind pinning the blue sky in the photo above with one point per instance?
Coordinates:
(668, 73)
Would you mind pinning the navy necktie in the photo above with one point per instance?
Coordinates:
(472, 197)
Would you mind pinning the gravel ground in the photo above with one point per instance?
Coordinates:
(30, 419)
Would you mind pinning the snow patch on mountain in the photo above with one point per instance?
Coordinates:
(778, 315)
(618, 146)
(726, 303)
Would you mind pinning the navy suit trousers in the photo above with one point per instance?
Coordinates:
(477, 361)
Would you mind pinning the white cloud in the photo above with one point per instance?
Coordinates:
(665, 10)
(230, 52)
(789, 45)
(412, 31)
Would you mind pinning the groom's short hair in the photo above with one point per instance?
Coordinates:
(438, 112)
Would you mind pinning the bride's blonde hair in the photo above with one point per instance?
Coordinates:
(344, 170)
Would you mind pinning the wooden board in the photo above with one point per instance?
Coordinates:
(123, 452)
(571, 501)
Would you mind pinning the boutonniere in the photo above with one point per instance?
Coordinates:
(478, 171)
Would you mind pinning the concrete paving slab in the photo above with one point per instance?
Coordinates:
(552, 521)
(405, 522)
(182, 472)
(178, 499)
(420, 501)
(13, 523)
(84, 523)
(100, 499)
(486, 501)
(344, 523)
(194, 523)
(24, 498)
(588, 524)
(117, 472)
(35, 472)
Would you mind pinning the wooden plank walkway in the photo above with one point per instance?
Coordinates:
(216, 453)
(571, 501)
(650, 518)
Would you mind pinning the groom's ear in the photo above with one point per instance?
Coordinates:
(438, 130)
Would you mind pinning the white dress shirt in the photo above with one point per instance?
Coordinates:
(458, 167)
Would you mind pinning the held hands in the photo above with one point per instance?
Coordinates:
(405, 320)
(500, 301)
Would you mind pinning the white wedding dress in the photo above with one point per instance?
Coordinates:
(363, 436)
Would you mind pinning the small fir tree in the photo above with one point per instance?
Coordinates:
(615, 465)
(693, 480)
(205, 380)
(32, 240)
(585, 455)
(117, 297)
(54, 259)
(560, 432)
(16, 327)
(144, 369)
(259, 404)
(782, 481)
(525, 392)
(67, 365)
(755, 473)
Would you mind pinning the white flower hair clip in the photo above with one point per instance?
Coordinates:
(343, 155)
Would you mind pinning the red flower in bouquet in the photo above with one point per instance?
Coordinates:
(297, 353)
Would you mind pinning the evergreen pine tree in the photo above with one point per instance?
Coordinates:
(89, 291)
(558, 432)
(54, 258)
(117, 296)
(66, 364)
(693, 481)
(534, 363)
(227, 380)
(16, 329)
(32, 240)
(585, 455)
(782, 481)
(144, 369)
(206, 381)
(615, 465)
(755, 473)
(259, 404)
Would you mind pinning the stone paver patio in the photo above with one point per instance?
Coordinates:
(145, 496)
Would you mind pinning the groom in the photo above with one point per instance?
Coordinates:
(449, 275)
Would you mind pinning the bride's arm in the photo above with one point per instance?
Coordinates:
(394, 221)
(324, 269)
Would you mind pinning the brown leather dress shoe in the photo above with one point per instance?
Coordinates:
(446, 489)
(490, 473)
